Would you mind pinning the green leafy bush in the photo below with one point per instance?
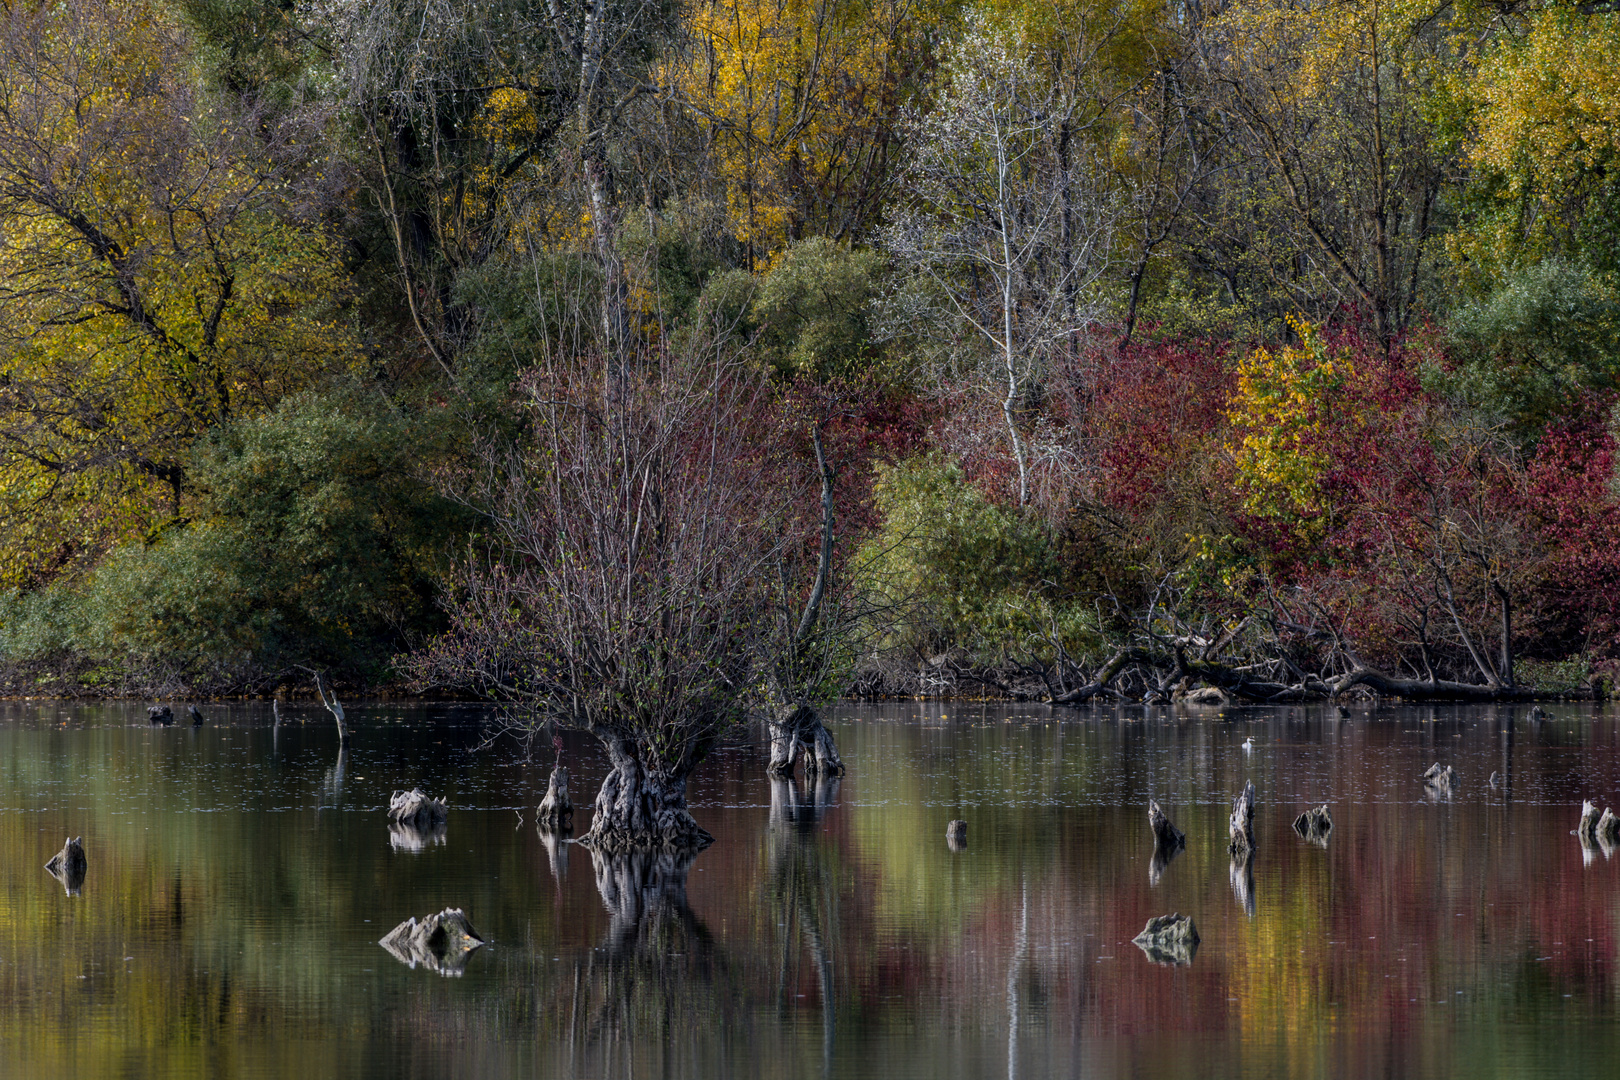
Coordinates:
(967, 572)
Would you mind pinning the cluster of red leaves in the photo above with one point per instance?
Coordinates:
(1407, 475)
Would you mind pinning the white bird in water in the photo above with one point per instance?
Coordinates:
(1248, 744)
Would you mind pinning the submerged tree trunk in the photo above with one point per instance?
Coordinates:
(797, 731)
(639, 808)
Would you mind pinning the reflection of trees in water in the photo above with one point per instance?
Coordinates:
(657, 980)
(801, 891)
(332, 782)
(556, 843)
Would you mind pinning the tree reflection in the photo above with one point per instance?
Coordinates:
(1242, 874)
(801, 889)
(658, 978)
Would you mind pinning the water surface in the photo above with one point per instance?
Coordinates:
(241, 874)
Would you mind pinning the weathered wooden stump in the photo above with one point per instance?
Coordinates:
(956, 835)
(1537, 714)
(159, 714)
(556, 809)
(1344, 713)
(196, 715)
(1169, 939)
(439, 942)
(68, 865)
(1315, 825)
(1166, 837)
(1595, 827)
(1240, 826)
(1608, 827)
(417, 809)
(1440, 779)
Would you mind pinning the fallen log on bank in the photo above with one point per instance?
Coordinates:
(1170, 672)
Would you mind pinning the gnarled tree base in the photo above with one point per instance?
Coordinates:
(637, 809)
(796, 733)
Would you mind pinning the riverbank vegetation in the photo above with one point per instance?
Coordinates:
(632, 362)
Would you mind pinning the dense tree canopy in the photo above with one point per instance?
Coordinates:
(1146, 343)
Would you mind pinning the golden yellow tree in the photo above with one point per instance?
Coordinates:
(798, 100)
(1542, 107)
(152, 282)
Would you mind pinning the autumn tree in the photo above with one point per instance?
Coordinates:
(1007, 233)
(799, 100)
(628, 593)
(1539, 109)
(1335, 169)
(155, 280)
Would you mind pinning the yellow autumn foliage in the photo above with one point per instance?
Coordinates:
(1278, 416)
(151, 283)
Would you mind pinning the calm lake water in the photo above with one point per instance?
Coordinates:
(240, 876)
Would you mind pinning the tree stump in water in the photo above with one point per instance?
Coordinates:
(1605, 828)
(1440, 779)
(1315, 825)
(439, 942)
(159, 714)
(1166, 837)
(556, 809)
(956, 835)
(196, 715)
(68, 865)
(1169, 939)
(1608, 827)
(637, 808)
(417, 809)
(1240, 826)
(797, 731)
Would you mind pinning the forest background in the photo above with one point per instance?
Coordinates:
(1050, 350)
